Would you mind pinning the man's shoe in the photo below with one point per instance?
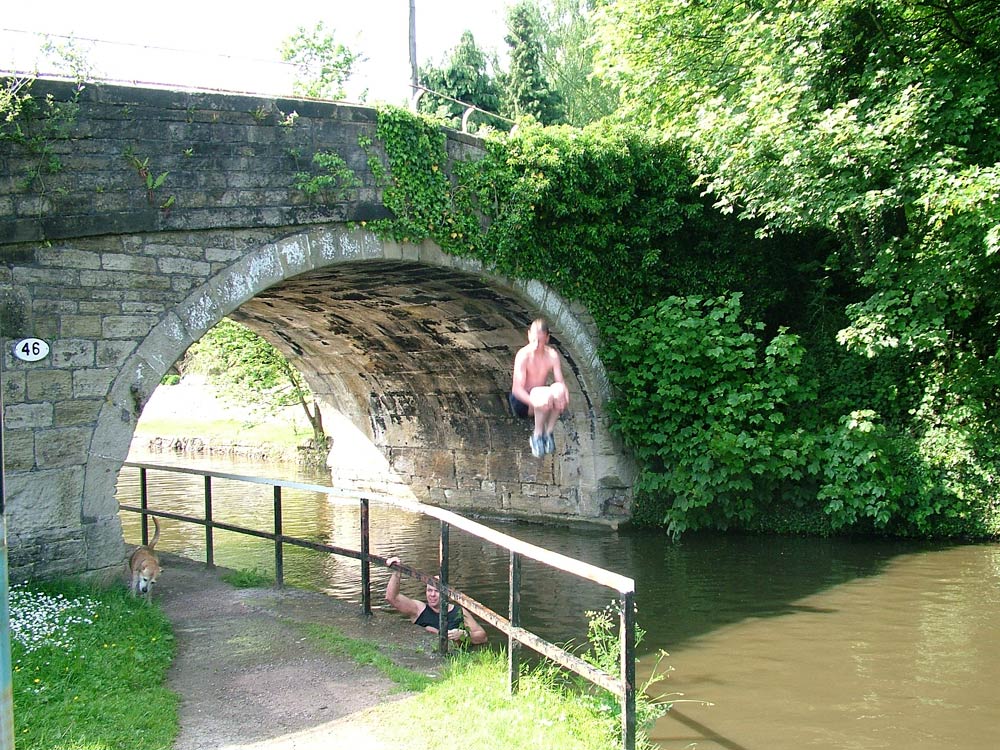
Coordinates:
(537, 446)
(550, 443)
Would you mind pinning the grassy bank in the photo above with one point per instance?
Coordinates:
(83, 658)
(277, 436)
(549, 711)
(195, 410)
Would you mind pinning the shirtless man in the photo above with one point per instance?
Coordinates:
(461, 623)
(530, 391)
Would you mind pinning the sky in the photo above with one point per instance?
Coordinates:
(233, 46)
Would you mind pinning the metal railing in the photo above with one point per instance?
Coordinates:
(467, 109)
(622, 685)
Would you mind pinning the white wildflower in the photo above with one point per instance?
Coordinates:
(38, 619)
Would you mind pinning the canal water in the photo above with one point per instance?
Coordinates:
(771, 642)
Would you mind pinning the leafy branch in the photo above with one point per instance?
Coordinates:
(333, 183)
(151, 180)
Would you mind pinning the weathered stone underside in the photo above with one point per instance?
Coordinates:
(415, 363)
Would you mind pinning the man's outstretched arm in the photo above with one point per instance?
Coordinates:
(409, 607)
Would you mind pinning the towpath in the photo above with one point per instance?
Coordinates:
(249, 679)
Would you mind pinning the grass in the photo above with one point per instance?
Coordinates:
(82, 658)
(248, 579)
(550, 709)
(278, 433)
(334, 642)
(472, 698)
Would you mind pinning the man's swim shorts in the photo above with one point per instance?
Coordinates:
(517, 406)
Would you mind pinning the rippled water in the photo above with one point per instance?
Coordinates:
(795, 643)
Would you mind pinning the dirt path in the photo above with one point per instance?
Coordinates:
(248, 679)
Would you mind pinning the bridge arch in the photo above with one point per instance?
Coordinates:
(121, 279)
(409, 350)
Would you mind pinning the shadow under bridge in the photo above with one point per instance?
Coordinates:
(411, 364)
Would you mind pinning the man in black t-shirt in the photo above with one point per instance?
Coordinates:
(461, 623)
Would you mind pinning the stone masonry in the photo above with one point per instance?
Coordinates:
(408, 348)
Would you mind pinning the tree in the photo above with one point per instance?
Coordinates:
(876, 122)
(324, 65)
(567, 61)
(248, 369)
(527, 91)
(466, 76)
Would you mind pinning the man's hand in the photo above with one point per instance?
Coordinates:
(457, 634)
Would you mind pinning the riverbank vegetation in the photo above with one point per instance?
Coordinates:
(82, 660)
(786, 223)
(281, 416)
(793, 262)
(84, 657)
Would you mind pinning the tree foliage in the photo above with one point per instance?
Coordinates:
(528, 93)
(249, 370)
(706, 409)
(324, 65)
(877, 123)
(552, 64)
(467, 77)
(567, 61)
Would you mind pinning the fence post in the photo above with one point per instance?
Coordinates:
(144, 504)
(513, 644)
(366, 580)
(627, 638)
(279, 551)
(209, 530)
(443, 578)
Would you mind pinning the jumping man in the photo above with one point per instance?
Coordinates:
(530, 391)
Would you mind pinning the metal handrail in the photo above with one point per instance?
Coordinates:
(623, 687)
(468, 109)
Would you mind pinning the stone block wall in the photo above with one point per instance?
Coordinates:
(91, 164)
(120, 286)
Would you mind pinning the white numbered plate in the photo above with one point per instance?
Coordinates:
(31, 350)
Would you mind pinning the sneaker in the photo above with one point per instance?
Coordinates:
(537, 446)
(550, 443)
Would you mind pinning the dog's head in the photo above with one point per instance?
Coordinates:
(146, 576)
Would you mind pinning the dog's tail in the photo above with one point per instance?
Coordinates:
(156, 533)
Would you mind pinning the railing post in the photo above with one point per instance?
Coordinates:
(366, 581)
(513, 644)
(209, 530)
(144, 504)
(624, 686)
(279, 552)
(443, 579)
(627, 638)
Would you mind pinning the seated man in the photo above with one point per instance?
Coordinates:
(461, 623)
(530, 392)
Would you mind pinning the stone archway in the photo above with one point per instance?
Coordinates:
(412, 348)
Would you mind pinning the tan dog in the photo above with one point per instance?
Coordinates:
(145, 566)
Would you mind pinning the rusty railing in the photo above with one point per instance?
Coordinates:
(622, 685)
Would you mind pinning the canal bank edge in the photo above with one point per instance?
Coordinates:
(247, 676)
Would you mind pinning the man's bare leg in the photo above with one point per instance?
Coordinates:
(541, 405)
(558, 401)
(547, 402)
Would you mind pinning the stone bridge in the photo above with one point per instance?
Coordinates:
(408, 349)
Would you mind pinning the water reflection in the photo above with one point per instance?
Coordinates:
(854, 643)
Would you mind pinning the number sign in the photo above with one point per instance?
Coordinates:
(31, 350)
